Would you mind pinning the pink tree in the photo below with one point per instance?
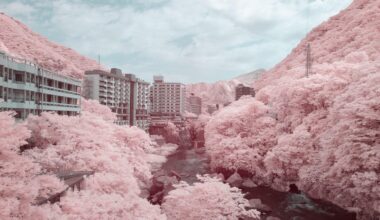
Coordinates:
(171, 133)
(239, 136)
(323, 128)
(21, 182)
(93, 106)
(118, 155)
(208, 199)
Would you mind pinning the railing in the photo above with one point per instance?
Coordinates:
(34, 65)
(18, 60)
(60, 90)
(60, 104)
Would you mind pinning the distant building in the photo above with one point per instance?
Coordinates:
(26, 88)
(168, 99)
(194, 104)
(211, 109)
(226, 104)
(124, 94)
(241, 90)
(142, 104)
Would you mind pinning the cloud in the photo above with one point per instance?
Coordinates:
(188, 41)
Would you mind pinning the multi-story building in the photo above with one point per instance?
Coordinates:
(194, 104)
(168, 99)
(124, 94)
(142, 104)
(241, 90)
(211, 109)
(26, 88)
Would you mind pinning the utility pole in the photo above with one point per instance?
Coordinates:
(308, 60)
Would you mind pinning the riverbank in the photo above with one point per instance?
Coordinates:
(186, 163)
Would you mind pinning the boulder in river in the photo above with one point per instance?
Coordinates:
(272, 218)
(257, 204)
(235, 180)
(248, 183)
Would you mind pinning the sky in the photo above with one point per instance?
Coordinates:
(183, 40)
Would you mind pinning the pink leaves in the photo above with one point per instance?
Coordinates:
(208, 199)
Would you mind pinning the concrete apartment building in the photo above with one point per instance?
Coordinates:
(194, 104)
(124, 94)
(168, 100)
(142, 104)
(241, 90)
(26, 88)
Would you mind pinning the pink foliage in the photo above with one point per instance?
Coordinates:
(171, 133)
(196, 127)
(239, 136)
(208, 199)
(311, 132)
(93, 106)
(215, 93)
(18, 40)
(20, 179)
(117, 154)
(319, 132)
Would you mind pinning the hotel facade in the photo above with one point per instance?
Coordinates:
(168, 100)
(124, 94)
(26, 88)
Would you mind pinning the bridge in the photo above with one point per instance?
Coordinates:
(72, 180)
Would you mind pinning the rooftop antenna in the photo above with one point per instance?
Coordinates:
(308, 48)
(308, 60)
(99, 60)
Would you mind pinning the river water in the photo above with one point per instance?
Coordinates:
(287, 206)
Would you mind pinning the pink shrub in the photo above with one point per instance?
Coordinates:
(208, 199)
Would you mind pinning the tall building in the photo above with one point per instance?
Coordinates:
(124, 94)
(241, 90)
(26, 88)
(194, 104)
(168, 99)
(142, 105)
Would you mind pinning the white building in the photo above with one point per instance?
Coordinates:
(168, 98)
(142, 104)
(112, 89)
(26, 88)
(126, 95)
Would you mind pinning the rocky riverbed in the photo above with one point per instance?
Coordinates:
(186, 163)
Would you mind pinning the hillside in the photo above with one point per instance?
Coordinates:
(223, 91)
(18, 40)
(320, 132)
(351, 37)
(251, 76)
(219, 92)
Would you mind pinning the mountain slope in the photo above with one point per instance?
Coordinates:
(251, 76)
(222, 92)
(219, 92)
(320, 132)
(18, 40)
(352, 36)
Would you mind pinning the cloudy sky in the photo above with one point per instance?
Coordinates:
(184, 40)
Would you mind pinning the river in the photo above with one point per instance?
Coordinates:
(287, 206)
